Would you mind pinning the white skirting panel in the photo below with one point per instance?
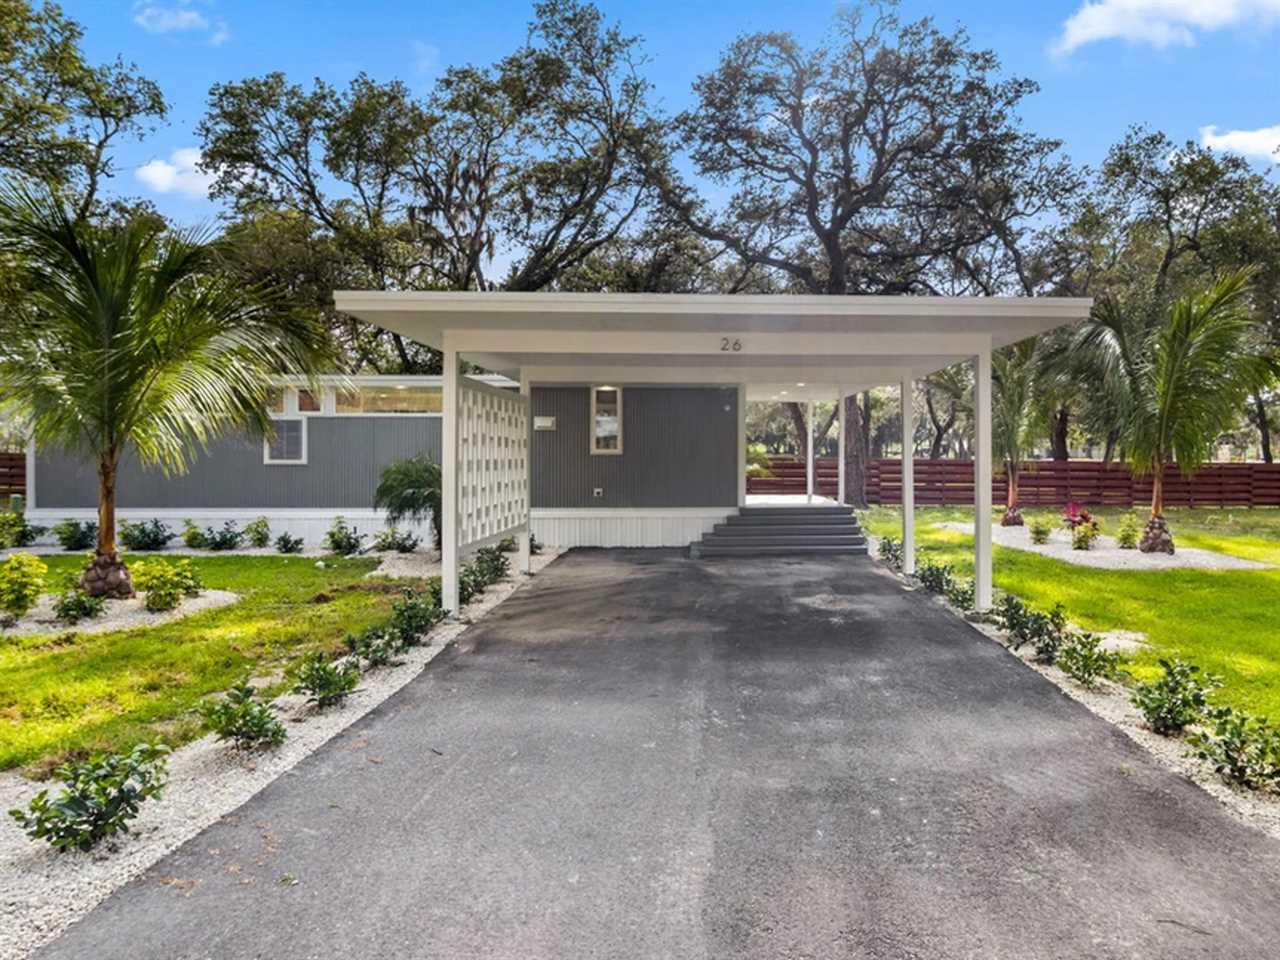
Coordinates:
(622, 527)
(310, 525)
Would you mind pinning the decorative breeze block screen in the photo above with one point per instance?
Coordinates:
(493, 462)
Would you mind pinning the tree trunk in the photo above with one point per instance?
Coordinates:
(1157, 490)
(1264, 428)
(107, 576)
(1058, 425)
(1109, 451)
(1012, 515)
(854, 453)
(801, 428)
(940, 428)
(1157, 538)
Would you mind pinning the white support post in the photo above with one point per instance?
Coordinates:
(742, 444)
(908, 477)
(982, 565)
(808, 482)
(449, 565)
(840, 428)
(524, 560)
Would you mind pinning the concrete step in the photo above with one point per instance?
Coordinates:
(801, 540)
(715, 550)
(785, 530)
(793, 520)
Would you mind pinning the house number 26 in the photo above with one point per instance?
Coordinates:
(730, 346)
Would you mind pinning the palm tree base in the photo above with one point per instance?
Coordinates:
(1012, 518)
(1156, 538)
(108, 577)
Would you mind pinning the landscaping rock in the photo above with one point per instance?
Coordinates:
(1156, 538)
(107, 577)
(1012, 518)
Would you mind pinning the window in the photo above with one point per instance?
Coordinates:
(606, 420)
(289, 442)
(308, 402)
(389, 399)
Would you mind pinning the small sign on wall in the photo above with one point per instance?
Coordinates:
(544, 423)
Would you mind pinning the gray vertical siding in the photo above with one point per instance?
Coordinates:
(680, 449)
(345, 456)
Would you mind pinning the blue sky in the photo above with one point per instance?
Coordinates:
(1177, 65)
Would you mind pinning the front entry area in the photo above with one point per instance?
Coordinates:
(643, 756)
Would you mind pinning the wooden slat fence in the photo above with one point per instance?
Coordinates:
(1044, 483)
(13, 476)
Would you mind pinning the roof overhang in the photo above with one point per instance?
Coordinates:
(764, 341)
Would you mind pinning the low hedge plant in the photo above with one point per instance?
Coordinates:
(1177, 699)
(145, 535)
(1244, 750)
(22, 578)
(242, 719)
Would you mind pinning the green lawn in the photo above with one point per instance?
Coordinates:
(1228, 621)
(71, 693)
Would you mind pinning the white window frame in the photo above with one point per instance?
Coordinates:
(291, 413)
(595, 452)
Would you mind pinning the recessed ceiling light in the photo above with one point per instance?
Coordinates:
(784, 393)
(799, 384)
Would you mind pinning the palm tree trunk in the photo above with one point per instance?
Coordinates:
(107, 575)
(1157, 491)
(1157, 538)
(1012, 516)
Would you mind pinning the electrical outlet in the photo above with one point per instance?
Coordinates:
(597, 492)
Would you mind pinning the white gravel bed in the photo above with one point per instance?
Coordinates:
(42, 892)
(118, 615)
(421, 565)
(1106, 555)
(1110, 701)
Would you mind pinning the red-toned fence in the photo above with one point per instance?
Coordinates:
(1043, 483)
(13, 476)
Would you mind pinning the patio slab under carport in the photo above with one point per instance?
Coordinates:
(639, 755)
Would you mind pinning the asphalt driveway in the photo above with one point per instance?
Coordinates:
(645, 756)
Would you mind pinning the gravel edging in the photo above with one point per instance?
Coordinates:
(118, 615)
(42, 892)
(1110, 701)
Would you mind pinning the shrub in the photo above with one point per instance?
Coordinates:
(76, 535)
(470, 584)
(193, 536)
(246, 722)
(534, 546)
(1040, 528)
(16, 532)
(1044, 631)
(163, 585)
(258, 532)
(288, 544)
(961, 594)
(342, 539)
(1128, 532)
(890, 551)
(1084, 660)
(508, 545)
(325, 683)
(376, 646)
(1083, 535)
(1177, 699)
(936, 578)
(411, 490)
(21, 582)
(413, 616)
(75, 605)
(100, 796)
(491, 564)
(1242, 749)
(228, 538)
(1075, 515)
(147, 535)
(393, 539)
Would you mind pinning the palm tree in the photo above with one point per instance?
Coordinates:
(411, 489)
(1013, 387)
(1186, 374)
(127, 340)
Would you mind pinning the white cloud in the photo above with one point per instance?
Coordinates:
(179, 17)
(1160, 23)
(178, 174)
(1263, 142)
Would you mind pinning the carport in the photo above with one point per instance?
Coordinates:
(809, 347)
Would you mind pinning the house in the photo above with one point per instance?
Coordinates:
(629, 426)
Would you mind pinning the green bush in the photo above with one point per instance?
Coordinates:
(16, 532)
(1040, 528)
(76, 534)
(228, 538)
(393, 539)
(75, 605)
(1083, 659)
(258, 532)
(342, 539)
(375, 647)
(21, 583)
(193, 536)
(1177, 699)
(961, 594)
(1242, 749)
(288, 544)
(1128, 532)
(146, 535)
(492, 564)
(934, 577)
(890, 551)
(99, 798)
(1044, 631)
(413, 616)
(246, 722)
(325, 683)
(163, 584)
(1083, 536)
